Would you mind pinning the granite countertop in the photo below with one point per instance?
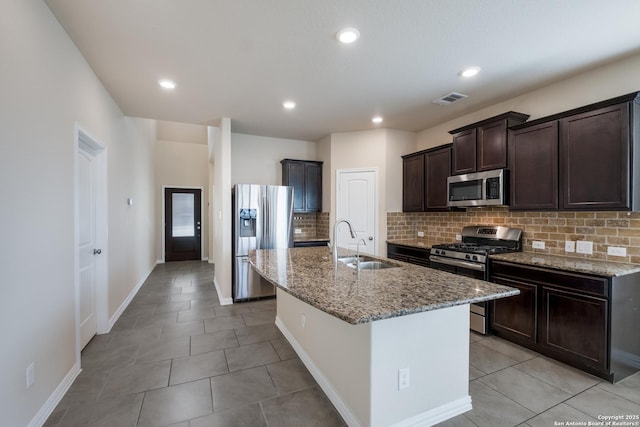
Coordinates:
(579, 265)
(310, 275)
(418, 242)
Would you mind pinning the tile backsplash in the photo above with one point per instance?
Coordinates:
(311, 225)
(604, 229)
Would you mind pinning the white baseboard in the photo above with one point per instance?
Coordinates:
(437, 415)
(159, 261)
(127, 301)
(325, 385)
(223, 301)
(55, 398)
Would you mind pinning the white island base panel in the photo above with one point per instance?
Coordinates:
(357, 366)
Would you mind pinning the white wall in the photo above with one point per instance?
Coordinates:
(220, 157)
(398, 144)
(256, 159)
(378, 148)
(181, 164)
(596, 85)
(46, 87)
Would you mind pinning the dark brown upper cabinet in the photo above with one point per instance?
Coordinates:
(533, 161)
(595, 152)
(582, 159)
(305, 177)
(483, 145)
(413, 182)
(424, 179)
(438, 169)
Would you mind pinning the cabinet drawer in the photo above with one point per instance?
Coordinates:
(593, 285)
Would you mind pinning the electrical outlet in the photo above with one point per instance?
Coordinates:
(616, 251)
(569, 246)
(297, 231)
(303, 321)
(31, 375)
(458, 237)
(538, 244)
(403, 378)
(584, 247)
(420, 233)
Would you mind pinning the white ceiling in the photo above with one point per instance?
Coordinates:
(242, 58)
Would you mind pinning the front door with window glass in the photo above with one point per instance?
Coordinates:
(182, 224)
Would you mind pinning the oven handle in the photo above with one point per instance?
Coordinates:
(457, 263)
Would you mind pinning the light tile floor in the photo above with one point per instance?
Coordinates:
(177, 357)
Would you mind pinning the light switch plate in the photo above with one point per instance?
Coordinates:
(420, 233)
(569, 246)
(584, 247)
(297, 230)
(537, 244)
(616, 251)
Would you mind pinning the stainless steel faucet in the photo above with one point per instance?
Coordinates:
(358, 253)
(335, 237)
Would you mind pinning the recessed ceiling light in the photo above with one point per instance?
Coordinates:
(377, 119)
(348, 35)
(469, 71)
(289, 105)
(167, 84)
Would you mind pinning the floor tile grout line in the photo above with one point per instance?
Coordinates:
(565, 402)
(546, 382)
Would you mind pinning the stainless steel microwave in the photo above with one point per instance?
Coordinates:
(487, 188)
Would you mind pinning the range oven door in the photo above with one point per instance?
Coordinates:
(456, 266)
(479, 311)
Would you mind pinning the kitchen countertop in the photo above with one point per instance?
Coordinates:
(578, 265)
(422, 243)
(310, 275)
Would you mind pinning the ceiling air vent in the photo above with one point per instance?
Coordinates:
(449, 98)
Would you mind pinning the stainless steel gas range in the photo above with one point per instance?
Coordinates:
(470, 258)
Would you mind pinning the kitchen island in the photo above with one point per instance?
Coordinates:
(389, 347)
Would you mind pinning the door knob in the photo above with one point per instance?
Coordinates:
(97, 251)
(370, 237)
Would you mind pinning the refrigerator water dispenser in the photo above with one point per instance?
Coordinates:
(248, 222)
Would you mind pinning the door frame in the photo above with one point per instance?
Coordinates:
(376, 202)
(85, 143)
(202, 218)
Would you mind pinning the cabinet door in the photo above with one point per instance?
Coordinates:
(438, 169)
(464, 152)
(295, 178)
(594, 160)
(516, 316)
(313, 187)
(574, 327)
(533, 164)
(492, 146)
(413, 183)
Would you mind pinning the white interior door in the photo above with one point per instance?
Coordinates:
(356, 202)
(87, 246)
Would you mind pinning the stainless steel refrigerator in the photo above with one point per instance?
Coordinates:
(262, 219)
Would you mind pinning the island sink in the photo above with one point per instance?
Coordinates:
(366, 263)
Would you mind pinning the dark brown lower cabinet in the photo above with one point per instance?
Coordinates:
(583, 320)
(413, 255)
(574, 326)
(516, 316)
